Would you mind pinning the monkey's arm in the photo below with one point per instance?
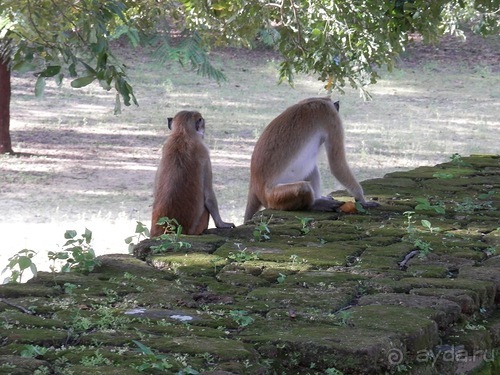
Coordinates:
(211, 200)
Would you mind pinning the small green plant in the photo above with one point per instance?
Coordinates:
(343, 318)
(153, 360)
(141, 232)
(241, 318)
(77, 253)
(19, 263)
(305, 222)
(359, 208)
(427, 224)
(294, 259)
(242, 255)
(490, 251)
(262, 231)
(409, 222)
(69, 288)
(488, 195)
(422, 246)
(333, 371)
(96, 360)
(424, 205)
(456, 159)
(33, 351)
(170, 239)
(468, 206)
(281, 278)
(42, 370)
(215, 262)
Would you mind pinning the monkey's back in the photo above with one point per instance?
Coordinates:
(289, 132)
(179, 185)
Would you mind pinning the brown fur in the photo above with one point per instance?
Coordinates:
(283, 171)
(183, 186)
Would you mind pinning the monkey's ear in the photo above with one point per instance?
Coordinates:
(337, 105)
(170, 119)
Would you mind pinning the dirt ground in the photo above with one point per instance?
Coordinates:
(83, 173)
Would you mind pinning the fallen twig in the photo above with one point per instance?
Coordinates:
(403, 264)
(23, 309)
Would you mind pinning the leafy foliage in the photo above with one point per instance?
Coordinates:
(77, 253)
(19, 263)
(170, 239)
(141, 232)
(342, 42)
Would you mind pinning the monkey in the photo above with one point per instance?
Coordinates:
(283, 168)
(183, 186)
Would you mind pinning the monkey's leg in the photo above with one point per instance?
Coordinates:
(290, 197)
(253, 205)
(321, 203)
(315, 180)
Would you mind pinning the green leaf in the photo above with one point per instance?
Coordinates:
(39, 86)
(24, 67)
(70, 234)
(72, 70)
(59, 78)
(82, 81)
(87, 235)
(33, 269)
(24, 262)
(50, 71)
(426, 223)
(316, 32)
(143, 348)
(133, 36)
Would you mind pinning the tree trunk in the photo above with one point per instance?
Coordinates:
(5, 91)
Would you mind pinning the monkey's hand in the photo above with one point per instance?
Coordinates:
(223, 224)
(326, 204)
(369, 204)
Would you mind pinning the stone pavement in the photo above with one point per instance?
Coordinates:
(412, 287)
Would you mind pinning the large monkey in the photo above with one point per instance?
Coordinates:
(283, 170)
(183, 185)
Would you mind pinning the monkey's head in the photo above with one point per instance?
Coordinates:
(189, 122)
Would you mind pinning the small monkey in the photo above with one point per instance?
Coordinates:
(283, 170)
(183, 185)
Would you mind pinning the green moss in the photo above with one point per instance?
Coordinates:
(20, 290)
(293, 343)
(21, 319)
(219, 347)
(327, 279)
(300, 298)
(415, 328)
(35, 336)
(427, 270)
(446, 312)
(468, 300)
